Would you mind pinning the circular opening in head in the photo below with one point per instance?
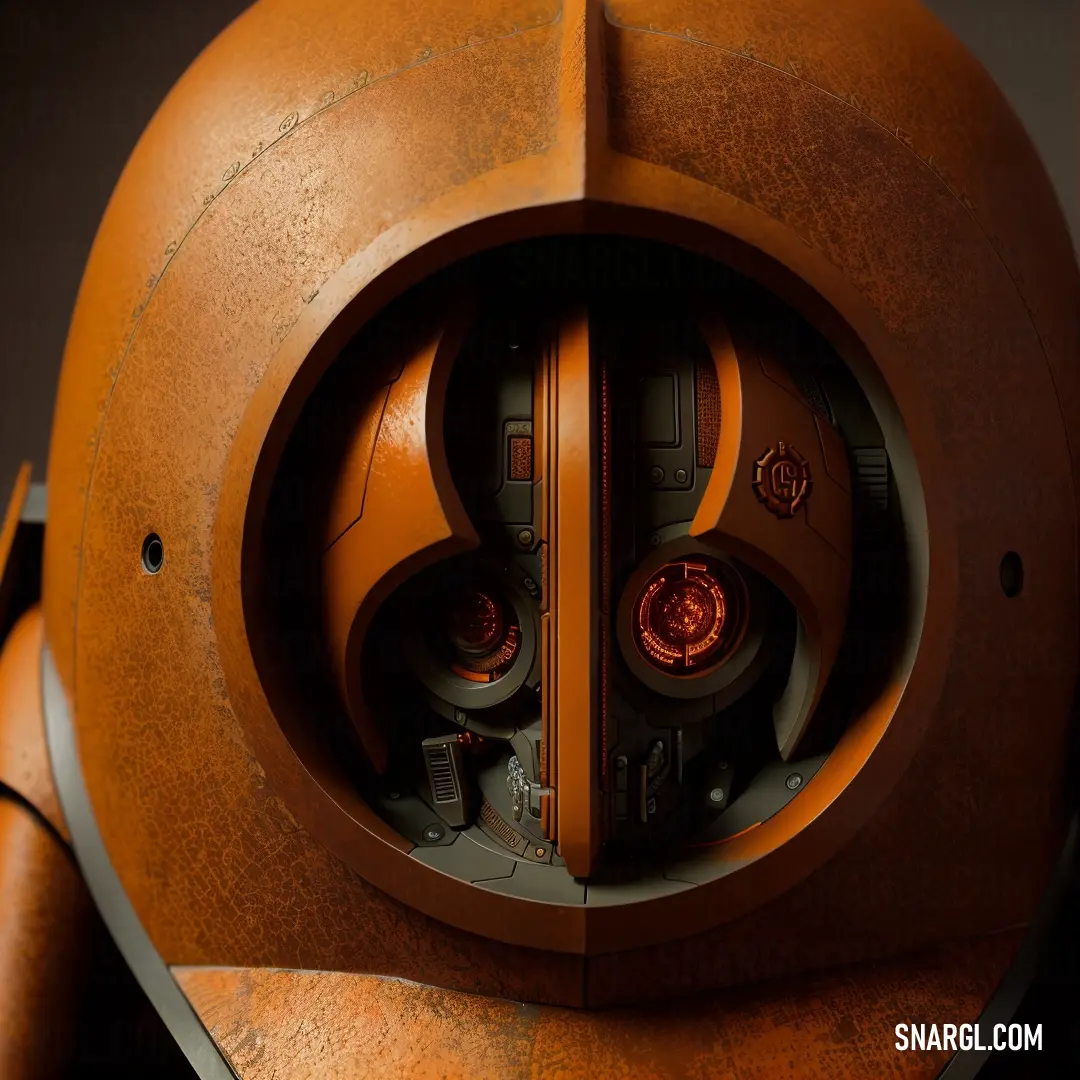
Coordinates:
(700, 650)
(153, 554)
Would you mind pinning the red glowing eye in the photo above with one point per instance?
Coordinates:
(681, 617)
(485, 640)
(475, 623)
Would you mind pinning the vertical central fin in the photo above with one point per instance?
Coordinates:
(583, 111)
(575, 614)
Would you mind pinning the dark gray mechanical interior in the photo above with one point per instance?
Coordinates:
(452, 660)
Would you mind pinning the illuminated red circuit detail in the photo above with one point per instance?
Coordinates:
(681, 616)
(485, 641)
(475, 623)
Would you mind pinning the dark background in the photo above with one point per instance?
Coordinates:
(80, 80)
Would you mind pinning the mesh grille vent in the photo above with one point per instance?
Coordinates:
(707, 395)
(443, 784)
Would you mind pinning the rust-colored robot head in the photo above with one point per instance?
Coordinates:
(572, 502)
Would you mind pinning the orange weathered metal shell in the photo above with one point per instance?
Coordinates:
(365, 1027)
(318, 159)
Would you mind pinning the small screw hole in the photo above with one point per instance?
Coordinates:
(153, 554)
(1012, 574)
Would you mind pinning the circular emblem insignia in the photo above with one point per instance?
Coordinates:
(782, 480)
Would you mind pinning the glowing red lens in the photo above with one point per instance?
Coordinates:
(681, 617)
(475, 623)
(484, 635)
